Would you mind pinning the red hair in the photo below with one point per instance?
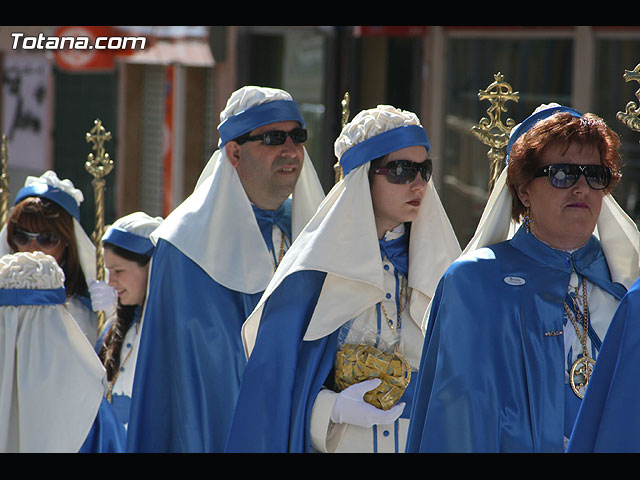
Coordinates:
(561, 129)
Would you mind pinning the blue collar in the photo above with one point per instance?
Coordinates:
(268, 218)
(588, 260)
(397, 251)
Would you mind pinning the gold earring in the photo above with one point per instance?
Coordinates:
(528, 218)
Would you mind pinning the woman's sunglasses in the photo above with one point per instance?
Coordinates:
(566, 175)
(405, 171)
(275, 137)
(45, 240)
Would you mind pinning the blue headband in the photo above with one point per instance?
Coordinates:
(54, 194)
(530, 121)
(129, 241)
(386, 142)
(23, 296)
(254, 117)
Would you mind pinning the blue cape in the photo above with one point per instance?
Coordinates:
(283, 374)
(190, 358)
(491, 377)
(609, 418)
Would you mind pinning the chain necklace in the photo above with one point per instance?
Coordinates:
(582, 368)
(403, 283)
(281, 254)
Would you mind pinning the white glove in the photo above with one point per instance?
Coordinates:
(103, 297)
(350, 407)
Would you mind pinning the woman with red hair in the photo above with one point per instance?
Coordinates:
(516, 324)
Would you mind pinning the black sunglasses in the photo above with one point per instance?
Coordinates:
(45, 240)
(405, 171)
(275, 137)
(566, 175)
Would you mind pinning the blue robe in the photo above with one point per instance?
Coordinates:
(190, 358)
(284, 373)
(609, 418)
(492, 371)
(108, 433)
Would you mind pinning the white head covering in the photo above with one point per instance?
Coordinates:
(215, 226)
(50, 377)
(62, 192)
(132, 232)
(617, 232)
(341, 239)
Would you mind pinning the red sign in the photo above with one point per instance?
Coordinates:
(83, 48)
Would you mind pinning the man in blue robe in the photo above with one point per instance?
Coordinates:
(214, 256)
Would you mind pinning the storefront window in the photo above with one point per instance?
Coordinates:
(540, 70)
(611, 95)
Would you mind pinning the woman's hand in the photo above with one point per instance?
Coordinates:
(350, 407)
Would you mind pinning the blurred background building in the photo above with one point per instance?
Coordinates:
(162, 103)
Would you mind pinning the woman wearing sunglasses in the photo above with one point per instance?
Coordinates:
(46, 218)
(355, 283)
(516, 324)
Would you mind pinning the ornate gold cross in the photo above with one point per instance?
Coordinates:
(99, 166)
(492, 131)
(630, 116)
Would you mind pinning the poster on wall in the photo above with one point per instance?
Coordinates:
(26, 100)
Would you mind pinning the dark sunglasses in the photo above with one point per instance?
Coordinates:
(405, 171)
(45, 240)
(566, 175)
(276, 137)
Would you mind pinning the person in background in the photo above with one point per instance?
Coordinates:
(46, 217)
(127, 252)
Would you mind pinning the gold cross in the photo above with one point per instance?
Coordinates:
(630, 116)
(101, 164)
(492, 131)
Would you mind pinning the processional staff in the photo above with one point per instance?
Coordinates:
(4, 182)
(491, 131)
(630, 116)
(99, 166)
(345, 119)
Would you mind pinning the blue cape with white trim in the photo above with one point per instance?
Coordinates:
(491, 377)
